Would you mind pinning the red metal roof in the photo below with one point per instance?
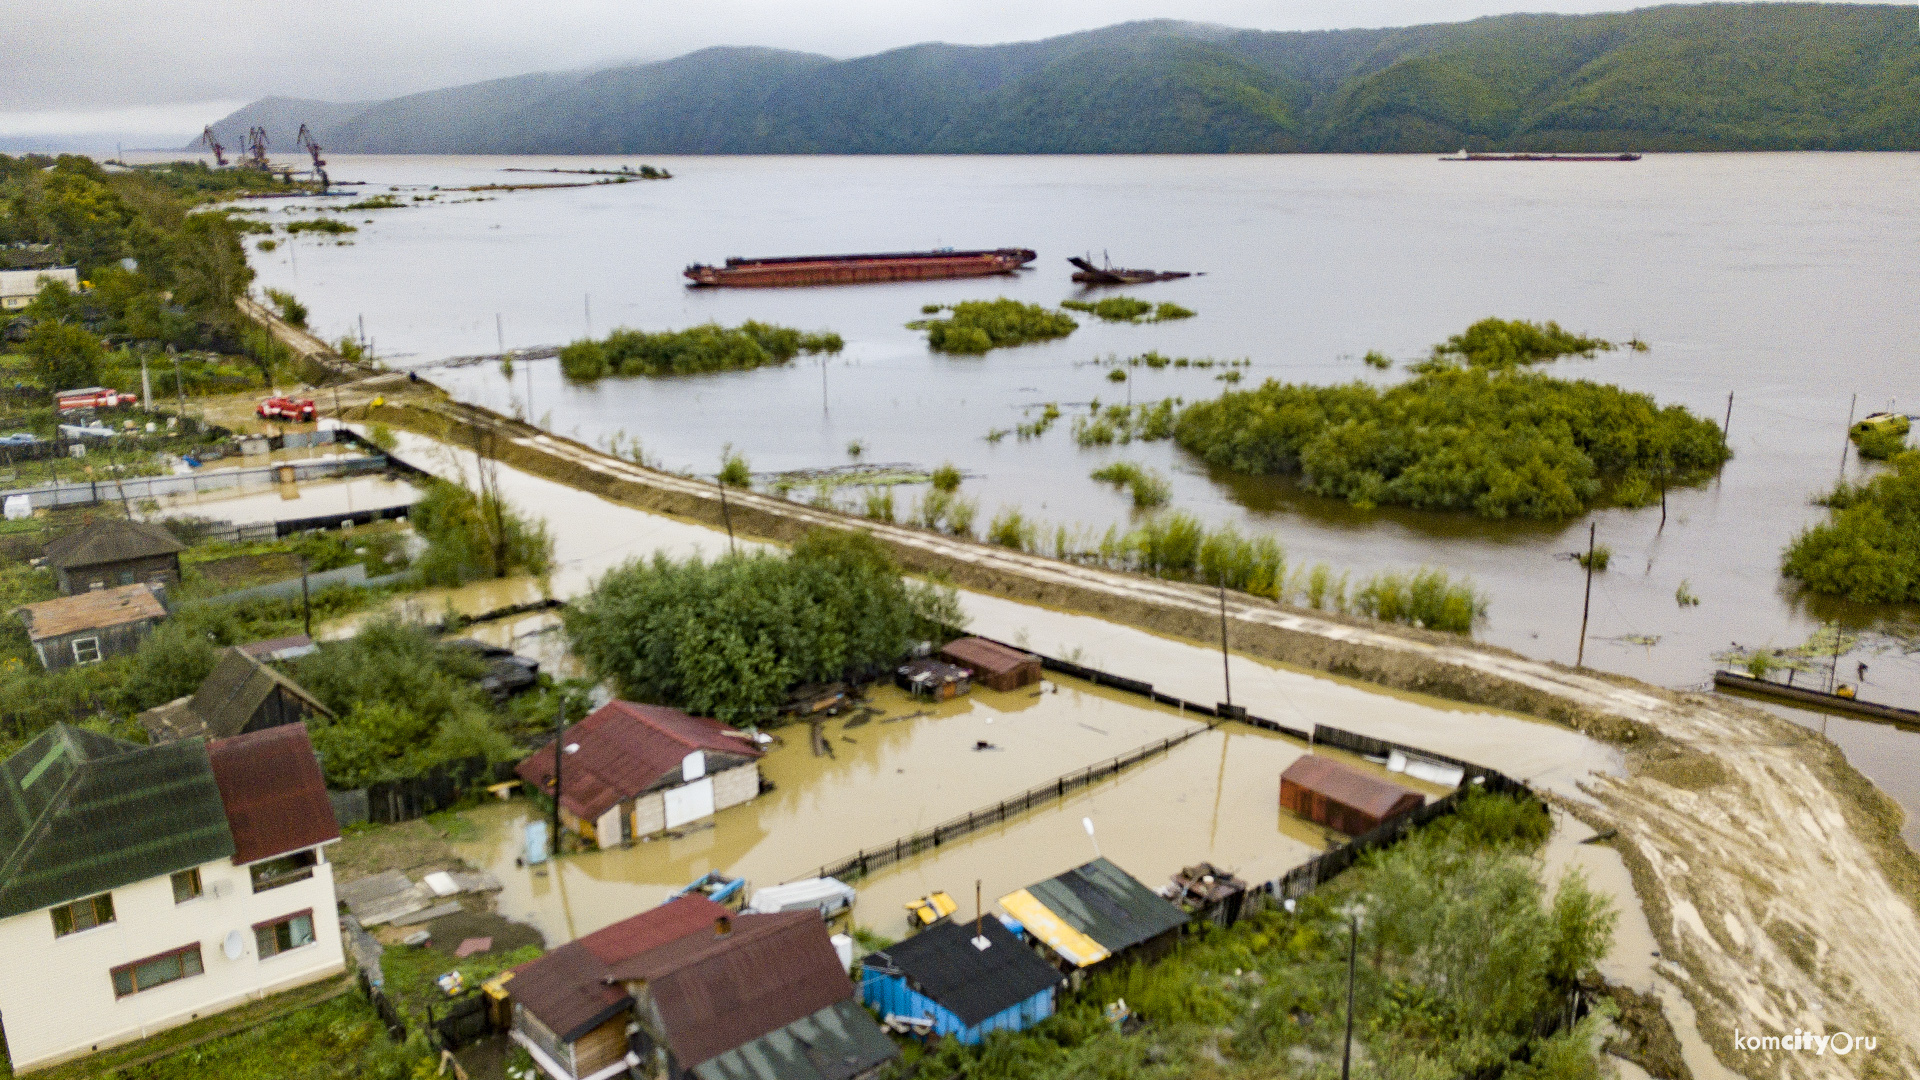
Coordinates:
(714, 993)
(274, 794)
(987, 656)
(567, 989)
(1348, 786)
(627, 749)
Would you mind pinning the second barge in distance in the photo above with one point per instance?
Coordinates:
(1463, 155)
(858, 269)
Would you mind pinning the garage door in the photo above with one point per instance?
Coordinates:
(689, 802)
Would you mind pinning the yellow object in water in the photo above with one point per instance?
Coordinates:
(931, 909)
(1845, 691)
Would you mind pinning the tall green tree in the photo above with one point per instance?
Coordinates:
(64, 356)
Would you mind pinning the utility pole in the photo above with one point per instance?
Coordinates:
(589, 315)
(1353, 954)
(823, 382)
(1580, 658)
(1833, 671)
(306, 601)
(1226, 670)
(500, 332)
(559, 752)
(726, 516)
(1727, 423)
(146, 386)
(1846, 441)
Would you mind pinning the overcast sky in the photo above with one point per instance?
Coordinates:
(170, 66)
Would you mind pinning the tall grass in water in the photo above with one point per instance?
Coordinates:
(1148, 488)
(734, 470)
(1426, 597)
(1012, 529)
(879, 504)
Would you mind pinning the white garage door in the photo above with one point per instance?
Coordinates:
(689, 802)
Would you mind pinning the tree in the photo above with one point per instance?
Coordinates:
(64, 356)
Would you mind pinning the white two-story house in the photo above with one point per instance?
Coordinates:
(147, 886)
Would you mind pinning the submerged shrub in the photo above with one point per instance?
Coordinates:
(1427, 598)
(978, 325)
(695, 350)
(1148, 488)
(1501, 343)
(1868, 549)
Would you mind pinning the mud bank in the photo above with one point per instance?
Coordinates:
(1772, 874)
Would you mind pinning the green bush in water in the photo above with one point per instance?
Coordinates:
(696, 350)
(947, 477)
(1148, 488)
(1868, 549)
(978, 325)
(1427, 598)
(1501, 444)
(1502, 343)
(1165, 311)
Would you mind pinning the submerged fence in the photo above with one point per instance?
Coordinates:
(1296, 882)
(159, 487)
(391, 801)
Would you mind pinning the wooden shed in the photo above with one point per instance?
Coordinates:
(115, 552)
(91, 626)
(994, 666)
(1341, 797)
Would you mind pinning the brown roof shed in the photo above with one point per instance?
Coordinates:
(994, 665)
(627, 749)
(111, 541)
(275, 796)
(571, 989)
(1341, 797)
(95, 610)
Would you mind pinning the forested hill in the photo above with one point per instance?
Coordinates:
(1774, 76)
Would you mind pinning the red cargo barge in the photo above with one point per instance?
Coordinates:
(856, 269)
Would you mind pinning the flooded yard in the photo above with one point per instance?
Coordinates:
(1214, 797)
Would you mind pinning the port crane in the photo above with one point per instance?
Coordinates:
(213, 144)
(312, 147)
(257, 149)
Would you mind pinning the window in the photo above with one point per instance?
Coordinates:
(86, 650)
(82, 915)
(157, 971)
(284, 870)
(283, 935)
(186, 885)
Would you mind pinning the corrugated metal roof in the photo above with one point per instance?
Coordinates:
(567, 988)
(227, 698)
(836, 1043)
(111, 541)
(1106, 904)
(627, 749)
(275, 798)
(770, 971)
(82, 813)
(1078, 949)
(973, 984)
(983, 655)
(97, 609)
(1347, 785)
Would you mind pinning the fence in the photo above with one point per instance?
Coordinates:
(466, 1021)
(353, 576)
(159, 487)
(391, 801)
(390, 1017)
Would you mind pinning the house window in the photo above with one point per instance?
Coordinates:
(82, 915)
(157, 971)
(86, 650)
(284, 870)
(283, 935)
(186, 885)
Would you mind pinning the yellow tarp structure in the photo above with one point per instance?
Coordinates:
(1079, 949)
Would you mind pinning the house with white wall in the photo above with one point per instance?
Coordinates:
(142, 887)
(632, 770)
(19, 287)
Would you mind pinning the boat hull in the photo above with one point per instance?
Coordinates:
(858, 269)
(1541, 157)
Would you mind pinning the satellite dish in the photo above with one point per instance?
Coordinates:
(235, 944)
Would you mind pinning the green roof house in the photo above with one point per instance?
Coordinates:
(146, 886)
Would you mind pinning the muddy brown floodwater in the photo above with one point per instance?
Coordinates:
(1215, 797)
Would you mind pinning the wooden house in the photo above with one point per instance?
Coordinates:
(995, 666)
(239, 695)
(943, 974)
(689, 990)
(644, 769)
(1094, 915)
(1342, 797)
(91, 626)
(933, 680)
(115, 552)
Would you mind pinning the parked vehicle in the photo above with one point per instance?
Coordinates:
(93, 397)
(280, 408)
(20, 438)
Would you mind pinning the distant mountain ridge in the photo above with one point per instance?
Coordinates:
(1771, 76)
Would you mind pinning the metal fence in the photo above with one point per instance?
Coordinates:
(159, 487)
(466, 1021)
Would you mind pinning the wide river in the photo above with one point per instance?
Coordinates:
(1787, 280)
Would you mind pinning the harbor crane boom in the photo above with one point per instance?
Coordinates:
(213, 144)
(307, 142)
(257, 148)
